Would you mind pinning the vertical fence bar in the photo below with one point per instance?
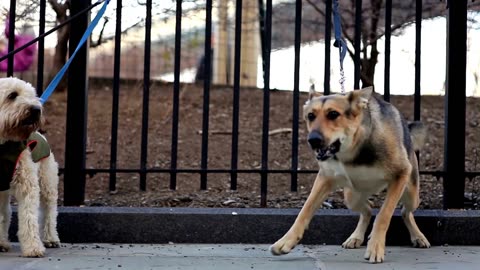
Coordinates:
(266, 105)
(358, 36)
(176, 94)
(418, 51)
(75, 142)
(146, 97)
(41, 49)
(455, 106)
(388, 35)
(261, 22)
(328, 37)
(296, 94)
(115, 97)
(236, 93)
(11, 37)
(206, 94)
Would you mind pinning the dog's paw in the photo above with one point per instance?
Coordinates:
(34, 252)
(421, 242)
(5, 246)
(375, 252)
(352, 242)
(285, 244)
(51, 244)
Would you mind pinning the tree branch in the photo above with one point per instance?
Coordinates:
(102, 40)
(99, 40)
(316, 8)
(59, 8)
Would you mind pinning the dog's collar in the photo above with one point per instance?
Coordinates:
(10, 152)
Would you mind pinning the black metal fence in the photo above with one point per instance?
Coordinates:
(453, 174)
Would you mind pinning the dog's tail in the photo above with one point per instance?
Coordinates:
(418, 132)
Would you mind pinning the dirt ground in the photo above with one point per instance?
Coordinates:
(218, 193)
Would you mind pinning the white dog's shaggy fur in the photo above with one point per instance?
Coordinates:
(34, 185)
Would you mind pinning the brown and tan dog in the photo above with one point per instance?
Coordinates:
(364, 145)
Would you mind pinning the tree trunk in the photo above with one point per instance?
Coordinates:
(61, 49)
(60, 56)
(368, 66)
(369, 62)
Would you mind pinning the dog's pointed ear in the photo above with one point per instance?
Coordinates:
(312, 93)
(360, 97)
(364, 96)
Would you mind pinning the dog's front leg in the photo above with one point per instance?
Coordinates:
(27, 192)
(5, 215)
(320, 190)
(357, 202)
(48, 201)
(375, 252)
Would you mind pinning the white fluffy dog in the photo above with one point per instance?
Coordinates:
(28, 171)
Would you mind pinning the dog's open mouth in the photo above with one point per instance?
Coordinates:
(29, 121)
(329, 151)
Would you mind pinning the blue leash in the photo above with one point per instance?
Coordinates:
(339, 42)
(56, 80)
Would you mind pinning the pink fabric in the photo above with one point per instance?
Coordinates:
(24, 58)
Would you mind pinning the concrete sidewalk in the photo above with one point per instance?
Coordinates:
(231, 257)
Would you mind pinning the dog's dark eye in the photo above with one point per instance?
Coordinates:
(332, 115)
(12, 96)
(311, 117)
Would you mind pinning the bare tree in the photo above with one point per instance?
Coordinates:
(373, 25)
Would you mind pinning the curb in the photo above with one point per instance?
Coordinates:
(252, 225)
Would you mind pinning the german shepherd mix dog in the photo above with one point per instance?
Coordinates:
(364, 145)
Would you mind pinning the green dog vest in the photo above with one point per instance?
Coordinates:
(11, 151)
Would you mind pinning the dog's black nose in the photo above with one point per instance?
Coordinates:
(315, 139)
(35, 111)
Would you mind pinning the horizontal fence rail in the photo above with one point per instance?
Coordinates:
(75, 170)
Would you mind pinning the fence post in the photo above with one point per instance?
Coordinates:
(74, 176)
(357, 44)
(11, 38)
(455, 94)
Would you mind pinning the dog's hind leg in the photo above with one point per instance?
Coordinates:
(5, 215)
(411, 200)
(320, 190)
(359, 203)
(48, 201)
(26, 190)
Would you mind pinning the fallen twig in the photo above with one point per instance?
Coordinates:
(279, 131)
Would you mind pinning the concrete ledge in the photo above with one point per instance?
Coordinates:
(228, 225)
